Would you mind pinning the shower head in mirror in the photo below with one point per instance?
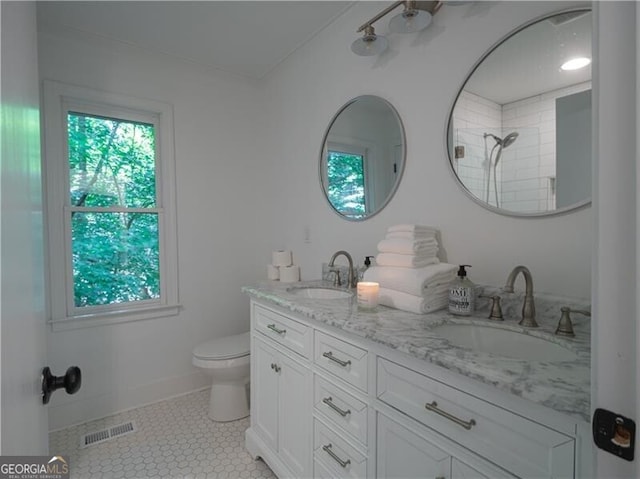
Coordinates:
(506, 141)
(509, 139)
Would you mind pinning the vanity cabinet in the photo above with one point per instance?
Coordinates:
(281, 401)
(327, 404)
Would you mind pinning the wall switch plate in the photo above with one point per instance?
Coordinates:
(614, 433)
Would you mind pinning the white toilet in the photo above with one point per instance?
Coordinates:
(226, 360)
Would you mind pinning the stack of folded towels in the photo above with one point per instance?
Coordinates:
(410, 275)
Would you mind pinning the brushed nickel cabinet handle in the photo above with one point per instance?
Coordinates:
(433, 406)
(329, 402)
(273, 328)
(335, 457)
(329, 355)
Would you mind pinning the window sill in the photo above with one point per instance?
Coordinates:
(113, 317)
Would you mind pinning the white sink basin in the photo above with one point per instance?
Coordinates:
(505, 343)
(319, 292)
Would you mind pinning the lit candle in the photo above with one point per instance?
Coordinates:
(368, 295)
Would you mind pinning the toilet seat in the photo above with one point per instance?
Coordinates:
(229, 347)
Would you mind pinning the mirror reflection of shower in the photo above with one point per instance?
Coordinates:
(491, 162)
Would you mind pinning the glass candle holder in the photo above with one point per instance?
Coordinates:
(368, 293)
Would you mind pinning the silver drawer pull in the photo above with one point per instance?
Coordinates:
(275, 367)
(273, 328)
(329, 402)
(342, 462)
(465, 424)
(329, 355)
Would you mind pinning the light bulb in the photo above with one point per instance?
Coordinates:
(575, 63)
(370, 44)
(410, 20)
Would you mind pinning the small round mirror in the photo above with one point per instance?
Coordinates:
(519, 133)
(362, 157)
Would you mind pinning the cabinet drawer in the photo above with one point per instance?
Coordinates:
(519, 445)
(345, 410)
(320, 471)
(404, 454)
(292, 334)
(336, 454)
(341, 358)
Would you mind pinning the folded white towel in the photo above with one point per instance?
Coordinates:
(407, 246)
(412, 228)
(410, 235)
(405, 260)
(417, 281)
(411, 303)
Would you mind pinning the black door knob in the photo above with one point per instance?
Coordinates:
(71, 382)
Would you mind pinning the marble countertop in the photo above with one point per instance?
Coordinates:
(561, 386)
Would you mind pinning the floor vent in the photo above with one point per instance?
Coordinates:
(105, 435)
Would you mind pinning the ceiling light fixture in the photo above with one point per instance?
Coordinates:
(416, 16)
(370, 43)
(576, 63)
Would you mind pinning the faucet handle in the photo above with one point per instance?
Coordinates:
(565, 327)
(336, 279)
(496, 309)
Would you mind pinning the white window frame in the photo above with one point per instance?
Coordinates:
(59, 99)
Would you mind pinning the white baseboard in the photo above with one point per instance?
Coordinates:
(86, 409)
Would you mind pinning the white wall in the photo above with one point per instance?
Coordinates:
(420, 75)
(615, 359)
(219, 165)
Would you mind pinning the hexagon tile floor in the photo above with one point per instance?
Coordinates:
(174, 439)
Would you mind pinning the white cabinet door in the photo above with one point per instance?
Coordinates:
(460, 470)
(264, 407)
(281, 407)
(403, 454)
(294, 412)
(24, 330)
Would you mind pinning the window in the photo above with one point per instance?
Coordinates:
(111, 215)
(346, 179)
(346, 182)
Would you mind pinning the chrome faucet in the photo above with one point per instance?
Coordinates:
(528, 308)
(351, 280)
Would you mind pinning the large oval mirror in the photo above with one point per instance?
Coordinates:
(362, 158)
(519, 134)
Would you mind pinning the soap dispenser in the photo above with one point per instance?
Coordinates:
(462, 293)
(361, 271)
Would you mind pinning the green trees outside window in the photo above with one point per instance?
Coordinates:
(345, 174)
(113, 206)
